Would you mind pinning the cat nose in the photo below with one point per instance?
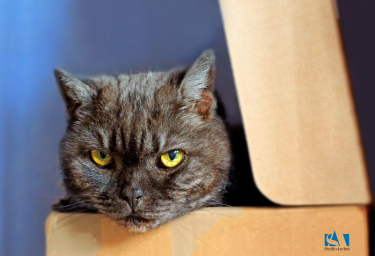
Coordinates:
(133, 196)
(137, 196)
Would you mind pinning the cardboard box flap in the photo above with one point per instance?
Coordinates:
(217, 231)
(296, 101)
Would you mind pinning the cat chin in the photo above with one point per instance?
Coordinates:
(137, 225)
(137, 229)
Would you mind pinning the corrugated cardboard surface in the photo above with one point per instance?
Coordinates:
(296, 102)
(215, 231)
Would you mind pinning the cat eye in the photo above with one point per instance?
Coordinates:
(100, 158)
(172, 158)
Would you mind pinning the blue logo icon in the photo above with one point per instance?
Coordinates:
(332, 239)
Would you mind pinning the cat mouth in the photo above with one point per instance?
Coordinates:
(136, 223)
(137, 220)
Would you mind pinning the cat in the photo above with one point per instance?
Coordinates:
(143, 148)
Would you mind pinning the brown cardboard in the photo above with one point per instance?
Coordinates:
(214, 231)
(296, 101)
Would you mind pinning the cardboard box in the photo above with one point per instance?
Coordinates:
(304, 142)
(296, 101)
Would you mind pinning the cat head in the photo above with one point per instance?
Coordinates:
(143, 148)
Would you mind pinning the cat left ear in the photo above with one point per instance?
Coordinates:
(75, 92)
(198, 84)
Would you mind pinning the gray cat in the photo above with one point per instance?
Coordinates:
(143, 148)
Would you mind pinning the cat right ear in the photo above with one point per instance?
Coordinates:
(75, 92)
(197, 85)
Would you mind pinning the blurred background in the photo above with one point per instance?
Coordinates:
(90, 37)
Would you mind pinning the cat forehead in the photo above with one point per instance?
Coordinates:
(135, 92)
(140, 82)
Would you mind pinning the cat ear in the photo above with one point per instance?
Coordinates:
(198, 84)
(75, 92)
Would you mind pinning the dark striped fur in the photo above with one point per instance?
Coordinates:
(136, 118)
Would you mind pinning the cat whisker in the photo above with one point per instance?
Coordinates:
(183, 236)
(118, 229)
(215, 213)
(189, 216)
(190, 231)
(87, 195)
(74, 221)
(221, 204)
(94, 223)
(69, 205)
(69, 215)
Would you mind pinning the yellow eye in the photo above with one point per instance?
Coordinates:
(172, 158)
(100, 158)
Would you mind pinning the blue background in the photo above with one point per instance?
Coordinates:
(85, 37)
(92, 37)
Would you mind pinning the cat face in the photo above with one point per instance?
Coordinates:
(144, 148)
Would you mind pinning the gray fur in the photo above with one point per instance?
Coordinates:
(136, 118)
